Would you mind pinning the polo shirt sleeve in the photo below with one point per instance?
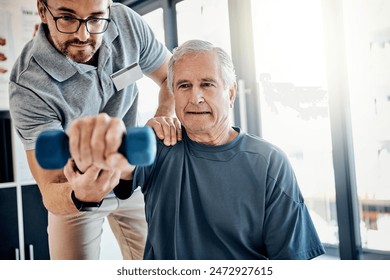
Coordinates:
(30, 115)
(152, 52)
(289, 232)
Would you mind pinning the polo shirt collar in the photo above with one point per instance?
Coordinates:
(51, 60)
(111, 33)
(106, 47)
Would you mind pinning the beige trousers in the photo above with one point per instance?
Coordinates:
(77, 237)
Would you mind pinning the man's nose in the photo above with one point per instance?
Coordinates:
(197, 96)
(82, 34)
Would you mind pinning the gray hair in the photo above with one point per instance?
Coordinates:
(198, 46)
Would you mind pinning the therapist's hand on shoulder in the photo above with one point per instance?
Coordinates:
(167, 129)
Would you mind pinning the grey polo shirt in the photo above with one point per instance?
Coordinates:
(48, 90)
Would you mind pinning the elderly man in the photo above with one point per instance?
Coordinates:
(220, 193)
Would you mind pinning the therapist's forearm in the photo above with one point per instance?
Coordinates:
(57, 199)
(166, 104)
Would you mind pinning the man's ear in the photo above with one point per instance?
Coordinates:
(232, 94)
(41, 11)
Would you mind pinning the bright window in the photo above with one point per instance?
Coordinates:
(290, 67)
(205, 20)
(367, 38)
(148, 89)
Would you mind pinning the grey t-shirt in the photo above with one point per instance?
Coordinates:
(236, 201)
(48, 90)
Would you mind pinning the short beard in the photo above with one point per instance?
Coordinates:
(79, 57)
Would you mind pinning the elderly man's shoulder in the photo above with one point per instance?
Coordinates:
(262, 146)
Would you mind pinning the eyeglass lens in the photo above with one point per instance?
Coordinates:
(71, 25)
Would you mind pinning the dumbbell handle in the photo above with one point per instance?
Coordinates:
(138, 146)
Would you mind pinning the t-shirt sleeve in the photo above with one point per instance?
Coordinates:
(289, 230)
(144, 174)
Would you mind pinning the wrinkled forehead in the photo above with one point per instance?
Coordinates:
(206, 60)
(200, 63)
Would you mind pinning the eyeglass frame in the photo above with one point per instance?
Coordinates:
(81, 21)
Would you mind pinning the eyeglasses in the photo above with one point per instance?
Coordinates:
(70, 25)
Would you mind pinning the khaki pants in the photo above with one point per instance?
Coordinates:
(77, 237)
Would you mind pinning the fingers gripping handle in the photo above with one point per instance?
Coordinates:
(138, 146)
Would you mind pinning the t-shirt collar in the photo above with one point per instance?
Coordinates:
(209, 148)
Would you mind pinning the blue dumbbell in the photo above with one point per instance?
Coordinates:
(138, 146)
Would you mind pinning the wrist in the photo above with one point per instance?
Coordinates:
(124, 189)
(84, 206)
(127, 175)
(165, 111)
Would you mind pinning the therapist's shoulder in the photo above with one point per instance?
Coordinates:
(120, 11)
